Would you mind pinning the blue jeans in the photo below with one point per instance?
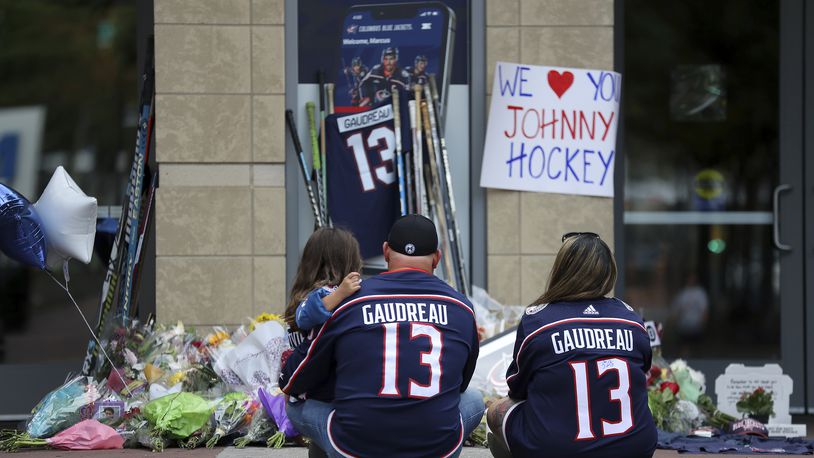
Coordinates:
(310, 417)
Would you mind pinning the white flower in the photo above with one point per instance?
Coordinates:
(130, 358)
(678, 365)
(688, 409)
(698, 378)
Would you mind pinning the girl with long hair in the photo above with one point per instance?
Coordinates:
(328, 273)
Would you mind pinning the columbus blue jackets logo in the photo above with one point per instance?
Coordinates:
(534, 309)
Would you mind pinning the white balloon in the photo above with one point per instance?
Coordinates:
(68, 217)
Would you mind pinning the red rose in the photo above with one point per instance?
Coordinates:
(671, 385)
(653, 375)
(759, 390)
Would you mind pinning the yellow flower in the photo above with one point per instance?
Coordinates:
(217, 338)
(177, 378)
(263, 317)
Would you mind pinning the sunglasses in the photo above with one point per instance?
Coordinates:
(568, 235)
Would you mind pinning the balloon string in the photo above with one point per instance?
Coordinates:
(101, 347)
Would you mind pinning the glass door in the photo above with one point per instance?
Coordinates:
(713, 179)
(73, 64)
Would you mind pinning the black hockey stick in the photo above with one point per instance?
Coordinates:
(450, 196)
(295, 138)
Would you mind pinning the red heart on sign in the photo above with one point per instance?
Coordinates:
(560, 82)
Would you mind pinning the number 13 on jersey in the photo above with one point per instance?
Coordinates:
(380, 140)
(621, 395)
(431, 359)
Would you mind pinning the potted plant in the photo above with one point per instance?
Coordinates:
(757, 404)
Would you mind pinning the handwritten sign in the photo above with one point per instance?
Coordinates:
(552, 130)
(738, 379)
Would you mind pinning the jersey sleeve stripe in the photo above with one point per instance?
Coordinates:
(568, 321)
(460, 440)
(506, 422)
(331, 437)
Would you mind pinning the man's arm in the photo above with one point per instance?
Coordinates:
(472, 361)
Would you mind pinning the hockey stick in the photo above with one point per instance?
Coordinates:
(330, 89)
(316, 177)
(295, 138)
(450, 195)
(134, 212)
(399, 153)
(440, 184)
(324, 193)
(408, 179)
(142, 152)
(418, 153)
(144, 232)
(434, 193)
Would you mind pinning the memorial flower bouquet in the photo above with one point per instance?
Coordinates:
(85, 435)
(671, 413)
(758, 404)
(260, 429)
(232, 412)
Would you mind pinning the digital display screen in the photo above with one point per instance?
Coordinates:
(377, 53)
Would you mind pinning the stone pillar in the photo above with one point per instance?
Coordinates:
(220, 210)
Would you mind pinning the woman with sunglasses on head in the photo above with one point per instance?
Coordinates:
(577, 381)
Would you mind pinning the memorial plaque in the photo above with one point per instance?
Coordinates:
(738, 379)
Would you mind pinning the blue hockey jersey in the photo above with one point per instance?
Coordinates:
(363, 194)
(402, 349)
(580, 368)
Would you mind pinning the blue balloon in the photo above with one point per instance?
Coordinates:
(21, 234)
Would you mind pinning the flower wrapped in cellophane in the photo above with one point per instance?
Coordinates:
(232, 412)
(260, 429)
(176, 416)
(63, 407)
(85, 435)
(199, 437)
(275, 408)
(254, 362)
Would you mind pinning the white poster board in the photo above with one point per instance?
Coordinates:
(552, 129)
(738, 379)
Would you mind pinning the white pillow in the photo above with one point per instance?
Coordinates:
(69, 219)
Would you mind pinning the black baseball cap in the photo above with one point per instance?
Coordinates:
(413, 235)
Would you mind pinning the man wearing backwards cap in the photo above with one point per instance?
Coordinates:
(402, 351)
